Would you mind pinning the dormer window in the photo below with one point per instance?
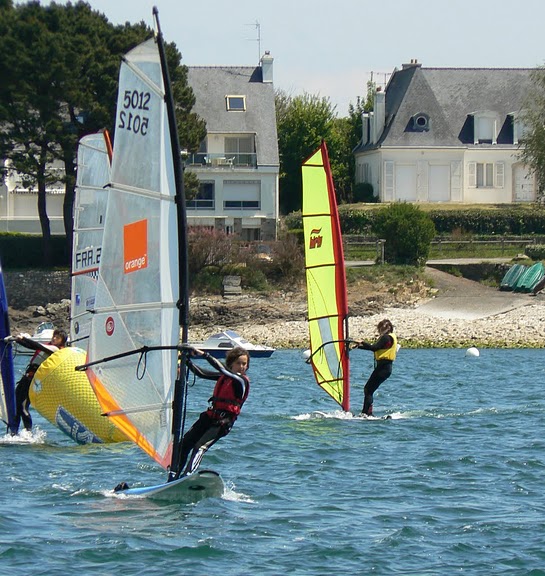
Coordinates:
(520, 129)
(235, 103)
(421, 122)
(485, 127)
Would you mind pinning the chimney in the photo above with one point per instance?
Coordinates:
(414, 64)
(364, 128)
(267, 67)
(379, 116)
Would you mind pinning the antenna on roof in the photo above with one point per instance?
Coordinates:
(257, 26)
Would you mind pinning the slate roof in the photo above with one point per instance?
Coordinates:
(212, 83)
(449, 96)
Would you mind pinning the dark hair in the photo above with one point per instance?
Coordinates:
(234, 354)
(61, 334)
(385, 325)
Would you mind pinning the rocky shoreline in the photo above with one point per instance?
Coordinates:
(279, 319)
(522, 327)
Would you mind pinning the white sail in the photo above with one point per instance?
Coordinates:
(137, 288)
(93, 178)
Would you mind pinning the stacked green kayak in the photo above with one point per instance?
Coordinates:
(512, 276)
(530, 278)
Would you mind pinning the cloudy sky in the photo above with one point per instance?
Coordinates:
(331, 48)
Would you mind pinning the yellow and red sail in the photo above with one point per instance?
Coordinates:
(326, 279)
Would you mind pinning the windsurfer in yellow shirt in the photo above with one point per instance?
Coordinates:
(385, 350)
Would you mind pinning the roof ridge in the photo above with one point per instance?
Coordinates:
(475, 68)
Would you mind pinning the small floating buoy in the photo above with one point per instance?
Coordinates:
(473, 352)
(306, 354)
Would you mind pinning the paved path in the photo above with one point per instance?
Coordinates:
(465, 299)
(460, 298)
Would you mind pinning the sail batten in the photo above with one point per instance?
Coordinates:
(326, 279)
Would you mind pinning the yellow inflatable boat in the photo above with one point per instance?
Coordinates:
(64, 396)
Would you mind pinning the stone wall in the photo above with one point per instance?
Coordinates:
(36, 287)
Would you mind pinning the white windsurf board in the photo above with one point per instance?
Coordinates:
(188, 489)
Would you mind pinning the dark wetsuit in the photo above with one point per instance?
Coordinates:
(22, 388)
(214, 423)
(382, 371)
(22, 400)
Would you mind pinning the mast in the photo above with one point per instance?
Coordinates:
(180, 385)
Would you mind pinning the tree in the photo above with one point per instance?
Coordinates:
(408, 233)
(302, 123)
(532, 145)
(59, 82)
(28, 110)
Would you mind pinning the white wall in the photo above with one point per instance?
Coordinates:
(441, 175)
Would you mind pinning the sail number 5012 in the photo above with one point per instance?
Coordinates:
(133, 117)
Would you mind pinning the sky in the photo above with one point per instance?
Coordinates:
(332, 48)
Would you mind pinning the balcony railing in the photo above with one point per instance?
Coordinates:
(221, 160)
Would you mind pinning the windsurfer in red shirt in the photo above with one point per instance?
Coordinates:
(230, 393)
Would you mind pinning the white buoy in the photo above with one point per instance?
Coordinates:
(472, 352)
(306, 354)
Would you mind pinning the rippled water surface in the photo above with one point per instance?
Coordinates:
(452, 484)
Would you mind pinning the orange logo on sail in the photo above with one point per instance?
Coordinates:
(135, 246)
(315, 238)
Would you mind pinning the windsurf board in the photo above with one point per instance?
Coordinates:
(188, 489)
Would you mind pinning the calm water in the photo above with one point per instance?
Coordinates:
(453, 484)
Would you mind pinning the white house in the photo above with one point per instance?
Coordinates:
(19, 205)
(238, 163)
(447, 135)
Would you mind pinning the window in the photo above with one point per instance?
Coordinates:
(485, 127)
(235, 103)
(241, 195)
(486, 174)
(251, 234)
(241, 205)
(204, 199)
(520, 129)
(241, 148)
(421, 122)
(363, 172)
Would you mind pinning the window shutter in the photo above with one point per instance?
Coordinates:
(472, 174)
(388, 181)
(456, 181)
(499, 179)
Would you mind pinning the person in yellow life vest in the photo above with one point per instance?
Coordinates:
(230, 393)
(385, 350)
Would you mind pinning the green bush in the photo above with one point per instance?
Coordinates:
(535, 251)
(363, 192)
(356, 221)
(408, 233)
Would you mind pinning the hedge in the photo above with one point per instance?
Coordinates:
(487, 221)
(26, 251)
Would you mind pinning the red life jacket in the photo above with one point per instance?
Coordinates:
(223, 398)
